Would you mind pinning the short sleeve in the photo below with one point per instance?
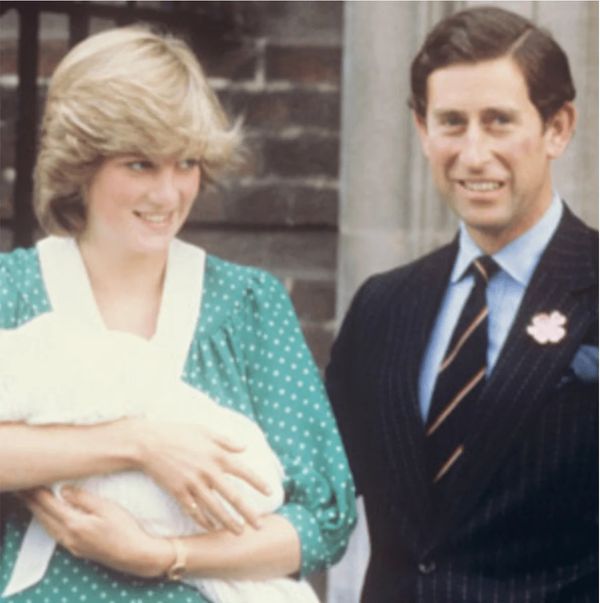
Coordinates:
(291, 407)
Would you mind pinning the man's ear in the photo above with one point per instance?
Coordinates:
(421, 127)
(559, 130)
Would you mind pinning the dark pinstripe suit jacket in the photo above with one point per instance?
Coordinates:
(519, 519)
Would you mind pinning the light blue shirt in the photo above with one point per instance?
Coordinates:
(517, 262)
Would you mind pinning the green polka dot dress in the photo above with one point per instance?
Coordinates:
(247, 353)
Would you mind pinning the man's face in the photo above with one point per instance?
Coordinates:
(488, 148)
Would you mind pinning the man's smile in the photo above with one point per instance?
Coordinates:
(481, 186)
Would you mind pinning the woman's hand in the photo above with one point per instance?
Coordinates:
(97, 529)
(192, 464)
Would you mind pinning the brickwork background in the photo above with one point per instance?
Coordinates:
(276, 64)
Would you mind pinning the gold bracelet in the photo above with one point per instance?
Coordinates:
(178, 567)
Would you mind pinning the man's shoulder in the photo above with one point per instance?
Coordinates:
(574, 242)
(403, 275)
(574, 225)
(389, 287)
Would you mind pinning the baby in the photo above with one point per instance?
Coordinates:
(57, 371)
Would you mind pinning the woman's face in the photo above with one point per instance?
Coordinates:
(137, 204)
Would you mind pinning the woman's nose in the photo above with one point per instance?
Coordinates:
(166, 187)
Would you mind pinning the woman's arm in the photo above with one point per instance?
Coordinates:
(190, 462)
(100, 530)
(296, 417)
(270, 552)
(34, 456)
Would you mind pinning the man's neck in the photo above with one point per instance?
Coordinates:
(491, 240)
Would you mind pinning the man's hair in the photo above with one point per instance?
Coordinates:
(487, 33)
(124, 91)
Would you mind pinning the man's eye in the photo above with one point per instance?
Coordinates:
(500, 119)
(452, 121)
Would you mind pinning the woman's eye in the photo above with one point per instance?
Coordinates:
(188, 164)
(139, 166)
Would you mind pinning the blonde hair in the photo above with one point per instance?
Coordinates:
(124, 91)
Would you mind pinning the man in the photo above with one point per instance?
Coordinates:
(465, 383)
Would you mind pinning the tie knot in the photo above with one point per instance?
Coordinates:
(484, 267)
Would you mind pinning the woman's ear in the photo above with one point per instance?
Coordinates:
(559, 130)
(421, 126)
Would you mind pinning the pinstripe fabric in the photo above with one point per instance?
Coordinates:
(519, 523)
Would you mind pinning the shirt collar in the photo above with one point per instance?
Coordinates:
(520, 257)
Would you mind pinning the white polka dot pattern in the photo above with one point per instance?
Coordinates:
(248, 354)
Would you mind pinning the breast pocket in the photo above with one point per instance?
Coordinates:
(583, 368)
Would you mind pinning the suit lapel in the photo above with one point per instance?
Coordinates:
(526, 371)
(415, 310)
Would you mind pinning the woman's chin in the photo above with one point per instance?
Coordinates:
(154, 245)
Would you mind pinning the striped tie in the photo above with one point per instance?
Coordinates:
(460, 377)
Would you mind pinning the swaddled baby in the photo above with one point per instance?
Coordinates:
(57, 371)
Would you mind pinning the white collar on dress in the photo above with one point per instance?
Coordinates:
(70, 292)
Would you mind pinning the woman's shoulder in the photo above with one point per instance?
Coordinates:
(19, 269)
(234, 292)
(235, 282)
(19, 262)
(22, 292)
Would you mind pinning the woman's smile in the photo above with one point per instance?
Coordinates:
(155, 219)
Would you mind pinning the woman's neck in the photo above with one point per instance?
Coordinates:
(127, 287)
(111, 269)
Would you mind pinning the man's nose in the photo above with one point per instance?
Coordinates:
(475, 150)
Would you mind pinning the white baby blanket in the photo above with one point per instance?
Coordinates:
(71, 370)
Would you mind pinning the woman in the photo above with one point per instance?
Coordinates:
(130, 131)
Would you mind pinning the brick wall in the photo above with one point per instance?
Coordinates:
(278, 65)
